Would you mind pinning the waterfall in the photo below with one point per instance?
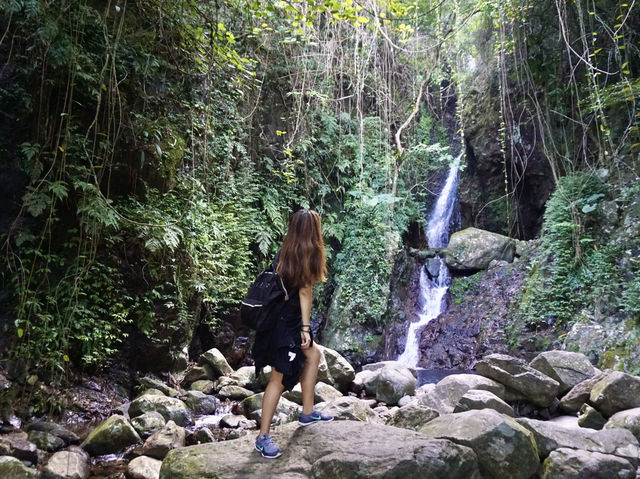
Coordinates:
(434, 278)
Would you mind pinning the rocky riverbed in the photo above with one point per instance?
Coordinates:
(555, 417)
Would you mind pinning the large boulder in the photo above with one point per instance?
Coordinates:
(10, 467)
(172, 409)
(148, 423)
(479, 399)
(286, 411)
(412, 416)
(157, 385)
(335, 450)
(16, 444)
(615, 392)
(232, 391)
(201, 403)
(46, 441)
(472, 249)
(445, 395)
(72, 464)
(112, 436)
(171, 436)
(52, 428)
(322, 393)
(567, 463)
(393, 383)
(628, 419)
(144, 467)
(349, 408)
(568, 368)
(572, 401)
(340, 372)
(537, 388)
(551, 436)
(217, 361)
(505, 449)
(366, 381)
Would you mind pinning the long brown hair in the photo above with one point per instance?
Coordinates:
(302, 258)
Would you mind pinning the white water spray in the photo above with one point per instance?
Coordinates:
(433, 285)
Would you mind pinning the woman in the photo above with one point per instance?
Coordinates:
(289, 347)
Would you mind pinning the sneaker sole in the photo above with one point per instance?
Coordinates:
(268, 457)
(314, 422)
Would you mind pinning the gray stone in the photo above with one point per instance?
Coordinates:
(335, 450)
(67, 465)
(473, 249)
(113, 435)
(504, 448)
(341, 373)
(349, 408)
(286, 409)
(591, 418)
(171, 436)
(366, 381)
(445, 395)
(63, 433)
(388, 364)
(198, 373)
(148, 423)
(235, 421)
(234, 392)
(568, 368)
(144, 467)
(615, 392)
(152, 383)
(579, 394)
(567, 463)
(628, 419)
(12, 468)
(538, 388)
(245, 377)
(217, 361)
(412, 416)
(201, 403)
(204, 435)
(46, 441)
(204, 386)
(16, 444)
(325, 393)
(393, 383)
(550, 436)
(478, 399)
(172, 409)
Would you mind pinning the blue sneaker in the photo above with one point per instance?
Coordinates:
(315, 416)
(267, 448)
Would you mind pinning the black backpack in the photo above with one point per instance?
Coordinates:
(266, 297)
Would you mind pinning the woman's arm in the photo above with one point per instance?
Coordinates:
(306, 298)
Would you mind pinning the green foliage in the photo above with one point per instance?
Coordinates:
(461, 287)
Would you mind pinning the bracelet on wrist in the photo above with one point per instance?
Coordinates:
(306, 327)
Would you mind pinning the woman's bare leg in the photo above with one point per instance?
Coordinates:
(270, 400)
(309, 377)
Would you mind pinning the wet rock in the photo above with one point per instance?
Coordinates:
(504, 448)
(514, 373)
(204, 386)
(235, 421)
(615, 392)
(591, 418)
(148, 423)
(393, 383)
(110, 437)
(16, 444)
(568, 368)
(579, 394)
(203, 436)
(171, 436)
(473, 249)
(10, 467)
(152, 383)
(349, 408)
(341, 373)
(198, 373)
(234, 392)
(412, 416)
(445, 395)
(478, 399)
(245, 377)
(67, 436)
(144, 467)
(72, 464)
(217, 361)
(335, 450)
(550, 436)
(564, 463)
(172, 409)
(201, 403)
(46, 441)
(629, 419)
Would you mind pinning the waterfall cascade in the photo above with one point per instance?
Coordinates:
(435, 278)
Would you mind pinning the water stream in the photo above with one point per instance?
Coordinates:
(434, 277)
